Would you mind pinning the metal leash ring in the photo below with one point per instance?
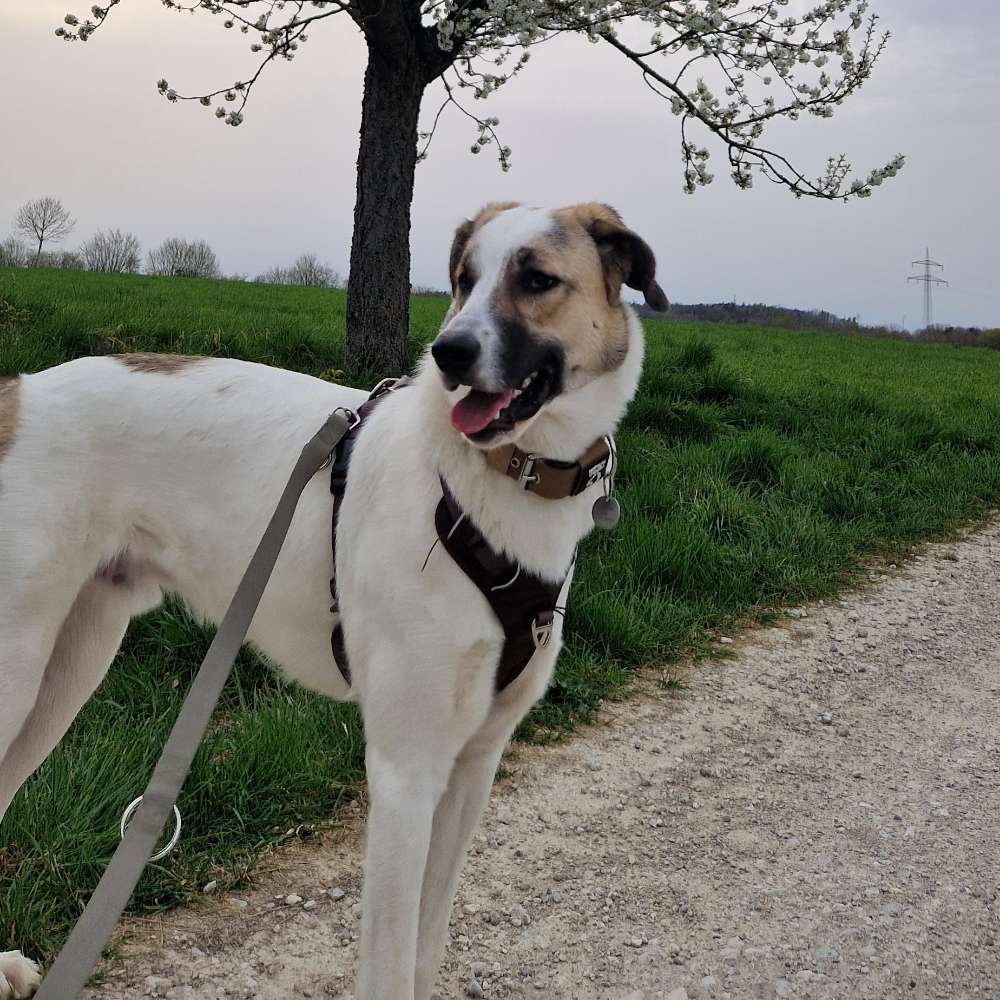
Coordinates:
(171, 844)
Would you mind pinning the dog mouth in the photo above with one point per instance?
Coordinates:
(481, 415)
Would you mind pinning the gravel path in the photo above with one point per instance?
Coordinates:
(816, 817)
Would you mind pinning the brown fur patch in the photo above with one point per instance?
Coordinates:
(626, 258)
(589, 323)
(10, 404)
(158, 364)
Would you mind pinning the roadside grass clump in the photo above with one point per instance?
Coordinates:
(759, 468)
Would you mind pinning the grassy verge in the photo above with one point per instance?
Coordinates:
(758, 469)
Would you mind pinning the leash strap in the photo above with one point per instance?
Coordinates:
(82, 951)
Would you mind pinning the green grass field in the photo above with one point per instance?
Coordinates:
(759, 469)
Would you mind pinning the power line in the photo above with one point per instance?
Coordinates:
(928, 279)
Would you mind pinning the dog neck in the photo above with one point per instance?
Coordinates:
(541, 534)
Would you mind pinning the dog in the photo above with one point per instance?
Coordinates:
(125, 477)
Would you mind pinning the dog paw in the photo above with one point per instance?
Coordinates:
(19, 976)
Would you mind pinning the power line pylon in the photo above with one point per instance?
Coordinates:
(928, 279)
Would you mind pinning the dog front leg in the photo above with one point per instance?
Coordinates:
(400, 817)
(455, 820)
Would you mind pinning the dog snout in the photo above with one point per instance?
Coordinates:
(456, 354)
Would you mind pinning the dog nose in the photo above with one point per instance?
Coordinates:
(455, 354)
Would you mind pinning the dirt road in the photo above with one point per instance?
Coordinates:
(816, 817)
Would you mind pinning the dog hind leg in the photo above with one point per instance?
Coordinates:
(84, 648)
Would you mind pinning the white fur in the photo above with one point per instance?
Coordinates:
(170, 479)
(19, 976)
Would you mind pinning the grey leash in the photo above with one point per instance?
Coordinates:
(81, 952)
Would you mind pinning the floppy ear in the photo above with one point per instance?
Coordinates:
(625, 256)
(458, 245)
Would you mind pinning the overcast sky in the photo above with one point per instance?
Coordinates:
(84, 123)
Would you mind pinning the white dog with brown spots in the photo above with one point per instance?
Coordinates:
(122, 478)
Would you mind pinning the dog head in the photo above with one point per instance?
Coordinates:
(536, 313)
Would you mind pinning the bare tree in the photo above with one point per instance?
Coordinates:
(13, 253)
(178, 258)
(308, 269)
(59, 260)
(273, 276)
(112, 251)
(44, 220)
(733, 68)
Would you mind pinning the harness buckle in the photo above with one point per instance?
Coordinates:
(386, 385)
(541, 630)
(353, 419)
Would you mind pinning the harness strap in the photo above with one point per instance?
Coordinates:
(81, 952)
(338, 485)
(524, 603)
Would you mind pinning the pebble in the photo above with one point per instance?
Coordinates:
(336, 893)
(210, 887)
(157, 986)
(474, 990)
(292, 899)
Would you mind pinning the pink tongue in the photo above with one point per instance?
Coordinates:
(478, 409)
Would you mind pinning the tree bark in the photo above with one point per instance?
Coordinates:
(378, 291)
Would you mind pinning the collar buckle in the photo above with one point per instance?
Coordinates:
(525, 469)
(596, 473)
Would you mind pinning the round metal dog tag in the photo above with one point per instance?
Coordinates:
(606, 512)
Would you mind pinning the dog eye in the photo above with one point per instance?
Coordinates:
(465, 282)
(536, 282)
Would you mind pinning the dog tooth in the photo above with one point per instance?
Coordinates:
(526, 382)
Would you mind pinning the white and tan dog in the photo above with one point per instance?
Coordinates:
(125, 477)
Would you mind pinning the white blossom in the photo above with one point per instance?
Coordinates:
(728, 67)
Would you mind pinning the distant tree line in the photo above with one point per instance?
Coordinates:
(45, 221)
(41, 223)
(759, 314)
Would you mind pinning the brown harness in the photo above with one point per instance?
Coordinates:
(525, 604)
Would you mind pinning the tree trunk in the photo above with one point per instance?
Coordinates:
(378, 291)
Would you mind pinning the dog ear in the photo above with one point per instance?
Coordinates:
(458, 245)
(625, 256)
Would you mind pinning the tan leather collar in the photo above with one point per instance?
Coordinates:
(547, 478)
